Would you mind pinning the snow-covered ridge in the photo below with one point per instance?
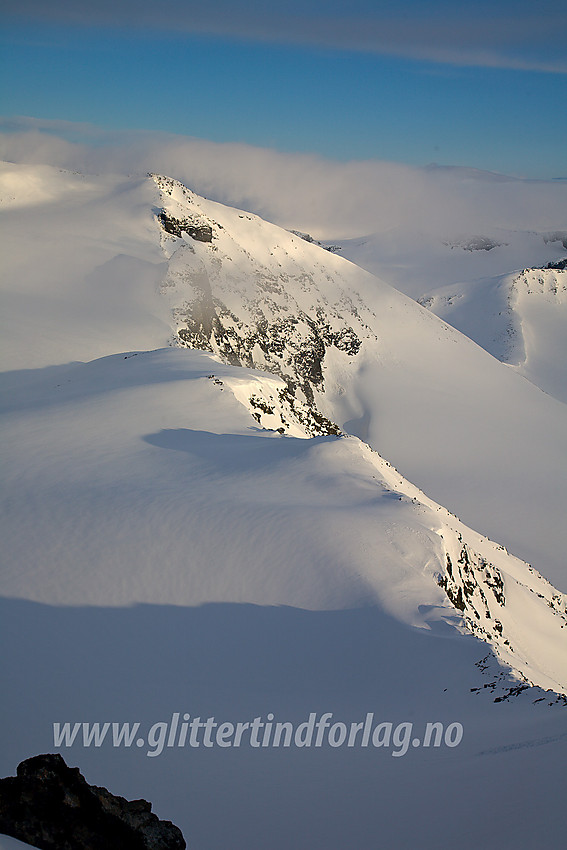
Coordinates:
(282, 322)
(175, 539)
(180, 498)
(359, 352)
(478, 576)
(501, 598)
(147, 262)
(520, 318)
(547, 283)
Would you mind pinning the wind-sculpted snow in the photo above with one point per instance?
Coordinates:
(151, 469)
(204, 531)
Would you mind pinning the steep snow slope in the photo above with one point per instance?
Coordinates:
(480, 285)
(520, 318)
(450, 417)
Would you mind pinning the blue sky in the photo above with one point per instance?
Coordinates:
(482, 85)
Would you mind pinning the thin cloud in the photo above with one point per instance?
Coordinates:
(510, 36)
(329, 199)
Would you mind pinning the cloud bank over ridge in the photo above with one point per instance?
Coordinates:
(327, 198)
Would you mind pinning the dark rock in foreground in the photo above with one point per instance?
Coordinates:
(52, 807)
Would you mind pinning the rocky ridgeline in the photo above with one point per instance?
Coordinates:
(52, 807)
(478, 589)
(275, 408)
(498, 597)
(503, 688)
(194, 225)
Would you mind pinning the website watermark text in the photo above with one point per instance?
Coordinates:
(185, 730)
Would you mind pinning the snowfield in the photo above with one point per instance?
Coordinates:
(520, 318)
(232, 467)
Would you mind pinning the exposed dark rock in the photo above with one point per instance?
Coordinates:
(475, 243)
(307, 415)
(294, 347)
(333, 249)
(512, 692)
(261, 405)
(465, 583)
(176, 227)
(559, 265)
(52, 807)
(556, 236)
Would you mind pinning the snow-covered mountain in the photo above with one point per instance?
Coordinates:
(520, 318)
(449, 417)
(506, 290)
(205, 530)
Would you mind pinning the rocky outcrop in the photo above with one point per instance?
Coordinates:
(51, 806)
(333, 249)
(177, 227)
(291, 346)
(560, 265)
(475, 243)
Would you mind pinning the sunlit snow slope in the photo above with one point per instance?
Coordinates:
(505, 289)
(190, 530)
(453, 419)
(520, 318)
